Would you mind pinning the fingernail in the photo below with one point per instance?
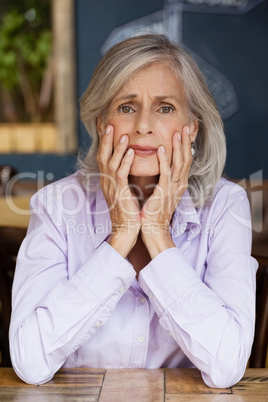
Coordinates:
(123, 139)
(179, 136)
(130, 151)
(163, 149)
(188, 130)
(108, 130)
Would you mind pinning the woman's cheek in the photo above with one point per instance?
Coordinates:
(120, 128)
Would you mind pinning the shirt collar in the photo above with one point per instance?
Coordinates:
(185, 218)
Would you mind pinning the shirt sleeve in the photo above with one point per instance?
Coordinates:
(53, 315)
(212, 319)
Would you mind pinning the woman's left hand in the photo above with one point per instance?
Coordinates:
(157, 212)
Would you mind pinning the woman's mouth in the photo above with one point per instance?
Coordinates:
(143, 150)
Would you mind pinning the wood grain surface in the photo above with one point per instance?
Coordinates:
(126, 385)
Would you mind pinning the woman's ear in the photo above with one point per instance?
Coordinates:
(194, 127)
(100, 125)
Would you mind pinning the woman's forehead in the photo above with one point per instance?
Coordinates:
(155, 74)
(157, 67)
(158, 78)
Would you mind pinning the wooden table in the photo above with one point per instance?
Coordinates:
(14, 211)
(161, 385)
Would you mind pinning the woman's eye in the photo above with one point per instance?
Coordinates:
(125, 109)
(166, 109)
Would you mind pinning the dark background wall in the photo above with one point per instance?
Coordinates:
(236, 45)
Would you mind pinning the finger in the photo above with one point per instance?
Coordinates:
(165, 171)
(156, 203)
(118, 154)
(177, 157)
(186, 150)
(105, 148)
(124, 169)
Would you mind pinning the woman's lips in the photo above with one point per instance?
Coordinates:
(139, 152)
(143, 150)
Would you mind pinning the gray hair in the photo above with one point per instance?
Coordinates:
(116, 68)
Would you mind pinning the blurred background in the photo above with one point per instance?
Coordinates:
(229, 40)
(48, 52)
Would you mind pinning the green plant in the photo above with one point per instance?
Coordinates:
(25, 68)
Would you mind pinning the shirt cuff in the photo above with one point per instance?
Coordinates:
(105, 272)
(168, 277)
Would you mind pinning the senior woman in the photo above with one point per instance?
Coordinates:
(141, 259)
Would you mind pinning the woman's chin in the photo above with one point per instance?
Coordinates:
(144, 172)
(144, 167)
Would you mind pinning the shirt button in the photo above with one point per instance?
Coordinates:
(141, 339)
(98, 324)
(151, 295)
(122, 289)
(142, 300)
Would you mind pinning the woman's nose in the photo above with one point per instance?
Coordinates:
(144, 123)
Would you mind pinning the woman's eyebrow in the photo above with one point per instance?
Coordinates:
(158, 97)
(125, 97)
(171, 97)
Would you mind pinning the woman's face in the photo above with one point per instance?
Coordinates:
(149, 108)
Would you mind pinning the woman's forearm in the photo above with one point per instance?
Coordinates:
(214, 334)
(47, 326)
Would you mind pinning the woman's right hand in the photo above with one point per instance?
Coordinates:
(114, 167)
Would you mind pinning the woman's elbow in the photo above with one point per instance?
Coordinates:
(221, 380)
(225, 375)
(32, 371)
(35, 374)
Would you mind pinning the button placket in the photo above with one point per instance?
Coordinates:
(141, 332)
